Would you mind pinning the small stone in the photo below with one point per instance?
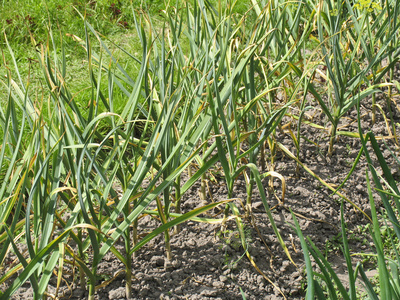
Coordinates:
(179, 290)
(156, 294)
(176, 264)
(139, 275)
(157, 261)
(190, 243)
(218, 284)
(257, 205)
(260, 279)
(227, 271)
(119, 293)
(78, 292)
(285, 264)
(175, 277)
(296, 274)
(223, 278)
(158, 280)
(359, 188)
(208, 292)
(144, 291)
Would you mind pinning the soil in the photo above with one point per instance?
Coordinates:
(209, 264)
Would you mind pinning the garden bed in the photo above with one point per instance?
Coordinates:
(208, 263)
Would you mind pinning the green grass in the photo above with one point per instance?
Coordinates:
(26, 28)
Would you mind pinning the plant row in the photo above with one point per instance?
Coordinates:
(205, 91)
